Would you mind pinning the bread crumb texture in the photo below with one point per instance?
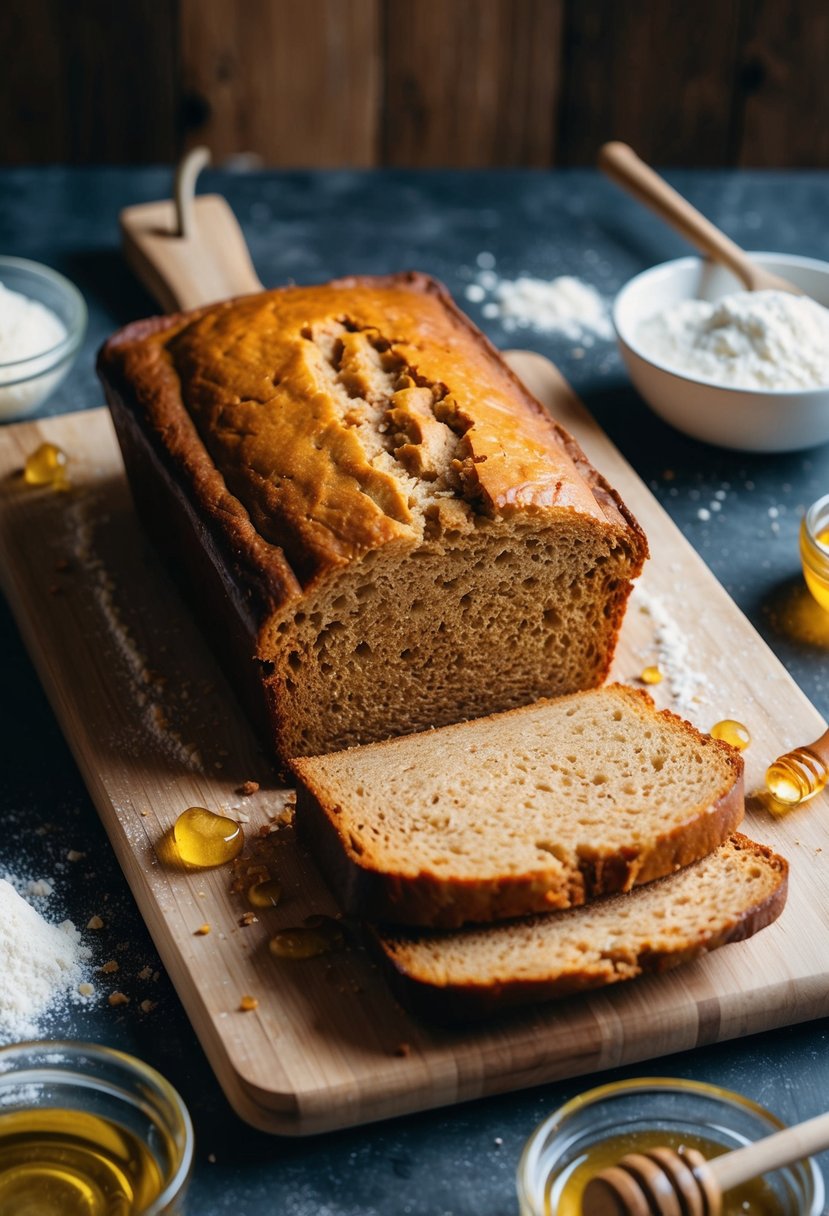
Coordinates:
(543, 807)
(727, 896)
(434, 546)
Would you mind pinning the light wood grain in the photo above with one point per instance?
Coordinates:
(211, 262)
(118, 655)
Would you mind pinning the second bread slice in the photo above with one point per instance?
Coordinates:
(473, 973)
(543, 807)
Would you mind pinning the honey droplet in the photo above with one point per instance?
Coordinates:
(796, 777)
(46, 466)
(265, 894)
(204, 839)
(248, 1003)
(319, 935)
(733, 732)
(651, 675)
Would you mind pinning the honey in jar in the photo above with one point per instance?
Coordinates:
(814, 550)
(565, 1189)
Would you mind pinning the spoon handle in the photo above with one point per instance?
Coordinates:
(625, 168)
(792, 1144)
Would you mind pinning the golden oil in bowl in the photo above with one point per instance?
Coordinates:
(85, 1131)
(71, 1163)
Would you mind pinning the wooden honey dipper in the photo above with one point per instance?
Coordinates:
(662, 1182)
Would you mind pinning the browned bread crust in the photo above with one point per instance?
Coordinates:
(428, 987)
(344, 831)
(253, 478)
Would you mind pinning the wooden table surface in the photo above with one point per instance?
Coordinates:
(309, 227)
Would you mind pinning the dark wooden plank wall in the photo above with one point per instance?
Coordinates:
(415, 82)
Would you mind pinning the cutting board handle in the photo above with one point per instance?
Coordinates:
(189, 250)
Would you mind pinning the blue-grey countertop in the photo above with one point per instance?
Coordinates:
(309, 227)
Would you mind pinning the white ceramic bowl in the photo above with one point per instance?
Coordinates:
(750, 420)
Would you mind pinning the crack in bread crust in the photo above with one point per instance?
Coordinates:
(237, 438)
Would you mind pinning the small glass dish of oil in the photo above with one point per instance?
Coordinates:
(86, 1131)
(597, 1128)
(814, 550)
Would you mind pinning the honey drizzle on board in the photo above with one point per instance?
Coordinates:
(204, 839)
(729, 730)
(46, 466)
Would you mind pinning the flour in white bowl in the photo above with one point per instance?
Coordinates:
(751, 339)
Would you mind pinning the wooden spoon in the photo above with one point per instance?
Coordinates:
(622, 164)
(662, 1182)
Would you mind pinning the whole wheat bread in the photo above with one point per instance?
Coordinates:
(469, 974)
(542, 807)
(379, 527)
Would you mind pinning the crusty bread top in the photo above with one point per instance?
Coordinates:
(543, 806)
(340, 416)
(725, 897)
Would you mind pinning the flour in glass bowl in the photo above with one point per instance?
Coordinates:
(751, 339)
(28, 331)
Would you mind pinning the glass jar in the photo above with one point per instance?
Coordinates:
(814, 550)
(57, 1092)
(673, 1108)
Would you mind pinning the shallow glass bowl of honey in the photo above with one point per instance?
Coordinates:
(597, 1128)
(814, 550)
(86, 1131)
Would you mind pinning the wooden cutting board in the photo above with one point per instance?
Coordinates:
(155, 729)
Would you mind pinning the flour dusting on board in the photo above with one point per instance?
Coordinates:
(687, 685)
(83, 513)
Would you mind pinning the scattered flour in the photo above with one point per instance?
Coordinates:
(40, 965)
(751, 339)
(29, 888)
(565, 305)
(688, 687)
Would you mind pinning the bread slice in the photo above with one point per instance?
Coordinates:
(731, 894)
(543, 807)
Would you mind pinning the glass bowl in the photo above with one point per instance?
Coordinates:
(676, 1110)
(26, 383)
(814, 550)
(95, 1082)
